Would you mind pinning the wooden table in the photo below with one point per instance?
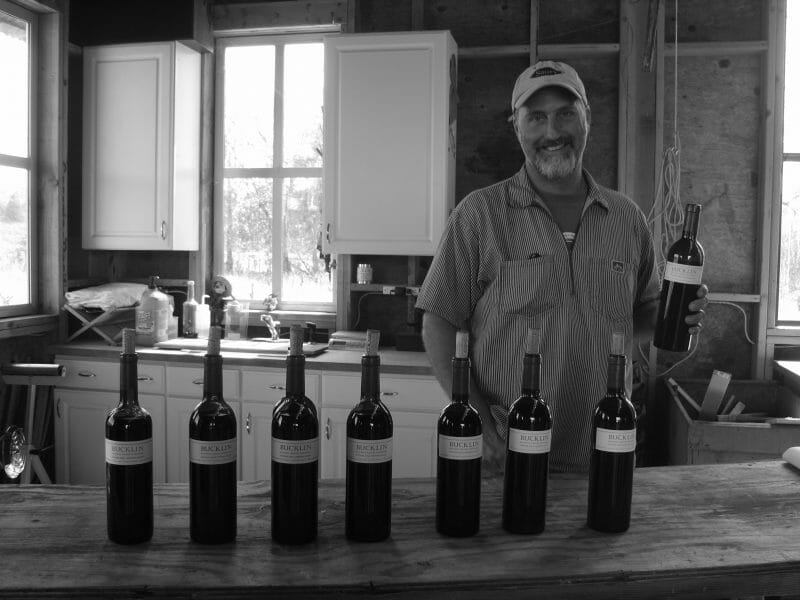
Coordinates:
(704, 531)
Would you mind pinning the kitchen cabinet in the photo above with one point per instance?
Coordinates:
(389, 136)
(141, 147)
(81, 402)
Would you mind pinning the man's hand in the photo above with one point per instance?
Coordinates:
(697, 306)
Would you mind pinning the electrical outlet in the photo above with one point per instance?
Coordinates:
(394, 290)
(412, 291)
(388, 290)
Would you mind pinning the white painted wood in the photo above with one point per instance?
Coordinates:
(256, 436)
(390, 127)
(141, 147)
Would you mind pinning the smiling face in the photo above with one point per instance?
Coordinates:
(552, 127)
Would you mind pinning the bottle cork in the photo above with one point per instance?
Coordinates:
(373, 341)
(618, 343)
(296, 340)
(128, 341)
(462, 344)
(214, 335)
(533, 341)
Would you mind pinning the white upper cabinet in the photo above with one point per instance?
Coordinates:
(141, 147)
(390, 141)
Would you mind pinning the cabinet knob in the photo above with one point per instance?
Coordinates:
(277, 386)
(247, 423)
(144, 378)
(163, 230)
(328, 429)
(86, 374)
(390, 394)
(197, 381)
(58, 408)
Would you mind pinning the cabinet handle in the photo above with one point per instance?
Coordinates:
(328, 232)
(86, 374)
(197, 381)
(247, 423)
(145, 378)
(163, 230)
(328, 429)
(277, 386)
(58, 408)
(390, 393)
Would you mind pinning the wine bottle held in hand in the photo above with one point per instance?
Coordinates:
(614, 450)
(212, 456)
(129, 456)
(527, 449)
(368, 484)
(295, 454)
(682, 278)
(460, 452)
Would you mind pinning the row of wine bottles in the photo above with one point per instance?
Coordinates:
(368, 489)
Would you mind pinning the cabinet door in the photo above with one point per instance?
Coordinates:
(256, 436)
(333, 442)
(386, 197)
(141, 139)
(80, 434)
(179, 411)
(414, 448)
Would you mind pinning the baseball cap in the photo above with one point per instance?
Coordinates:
(544, 74)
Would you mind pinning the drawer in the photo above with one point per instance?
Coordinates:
(188, 382)
(104, 375)
(270, 385)
(398, 392)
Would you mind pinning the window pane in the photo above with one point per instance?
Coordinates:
(14, 69)
(791, 116)
(789, 280)
(248, 236)
(14, 237)
(249, 106)
(302, 123)
(304, 275)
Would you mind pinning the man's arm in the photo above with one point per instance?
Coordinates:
(439, 336)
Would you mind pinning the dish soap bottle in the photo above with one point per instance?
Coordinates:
(152, 315)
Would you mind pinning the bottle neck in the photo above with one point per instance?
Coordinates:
(616, 374)
(212, 378)
(128, 379)
(460, 391)
(296, 375)
(531, 369)
(690, 224)
(370, 377)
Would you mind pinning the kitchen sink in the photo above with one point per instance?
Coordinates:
(257, 346)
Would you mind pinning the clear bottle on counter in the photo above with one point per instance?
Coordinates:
(190, 312)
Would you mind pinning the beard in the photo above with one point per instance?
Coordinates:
(556, 167)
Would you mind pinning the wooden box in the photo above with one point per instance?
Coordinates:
(692, 441)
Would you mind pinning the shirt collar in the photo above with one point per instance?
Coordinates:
(523, 193)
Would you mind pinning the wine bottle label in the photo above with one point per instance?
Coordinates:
(369, 451)
(295, 452)
(460, 448)
(220, 452)
(128, 454)
(615, 440)
(529, 442)
(690, 274)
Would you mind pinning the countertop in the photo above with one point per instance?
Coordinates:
(700, 531)
(392, 361)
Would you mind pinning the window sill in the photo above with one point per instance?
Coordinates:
(27, 325)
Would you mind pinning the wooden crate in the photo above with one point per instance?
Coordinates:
(699, 442)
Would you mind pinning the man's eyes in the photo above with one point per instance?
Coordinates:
(567, 114)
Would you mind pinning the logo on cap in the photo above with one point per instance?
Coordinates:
(544, 71)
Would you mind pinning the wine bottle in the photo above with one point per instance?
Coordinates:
(129, 456)
(614, 452)
(189, 313)
(212, 456)
(460, 451)
(295, 454)
(368, 478)
(527, 449)
(682, 277)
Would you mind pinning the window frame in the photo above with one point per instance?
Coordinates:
(28, 162)
(280, 37)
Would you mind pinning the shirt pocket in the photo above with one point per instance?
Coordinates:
(610, 286)
(527, 287)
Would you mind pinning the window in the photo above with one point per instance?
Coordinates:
(17, 164)
(268, 185)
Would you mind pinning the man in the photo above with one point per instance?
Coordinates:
(547, 248)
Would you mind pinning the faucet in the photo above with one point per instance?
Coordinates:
(272, 325)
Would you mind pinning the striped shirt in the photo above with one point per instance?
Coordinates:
(503, 266)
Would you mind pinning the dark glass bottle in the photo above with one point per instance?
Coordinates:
(295, 454)
(368, 495)
(527, 450)
(614, 451)
(129, 456)
(460, 452)
(212, 457)
(682, 277)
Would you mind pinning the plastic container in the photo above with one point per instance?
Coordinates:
(152, 315)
